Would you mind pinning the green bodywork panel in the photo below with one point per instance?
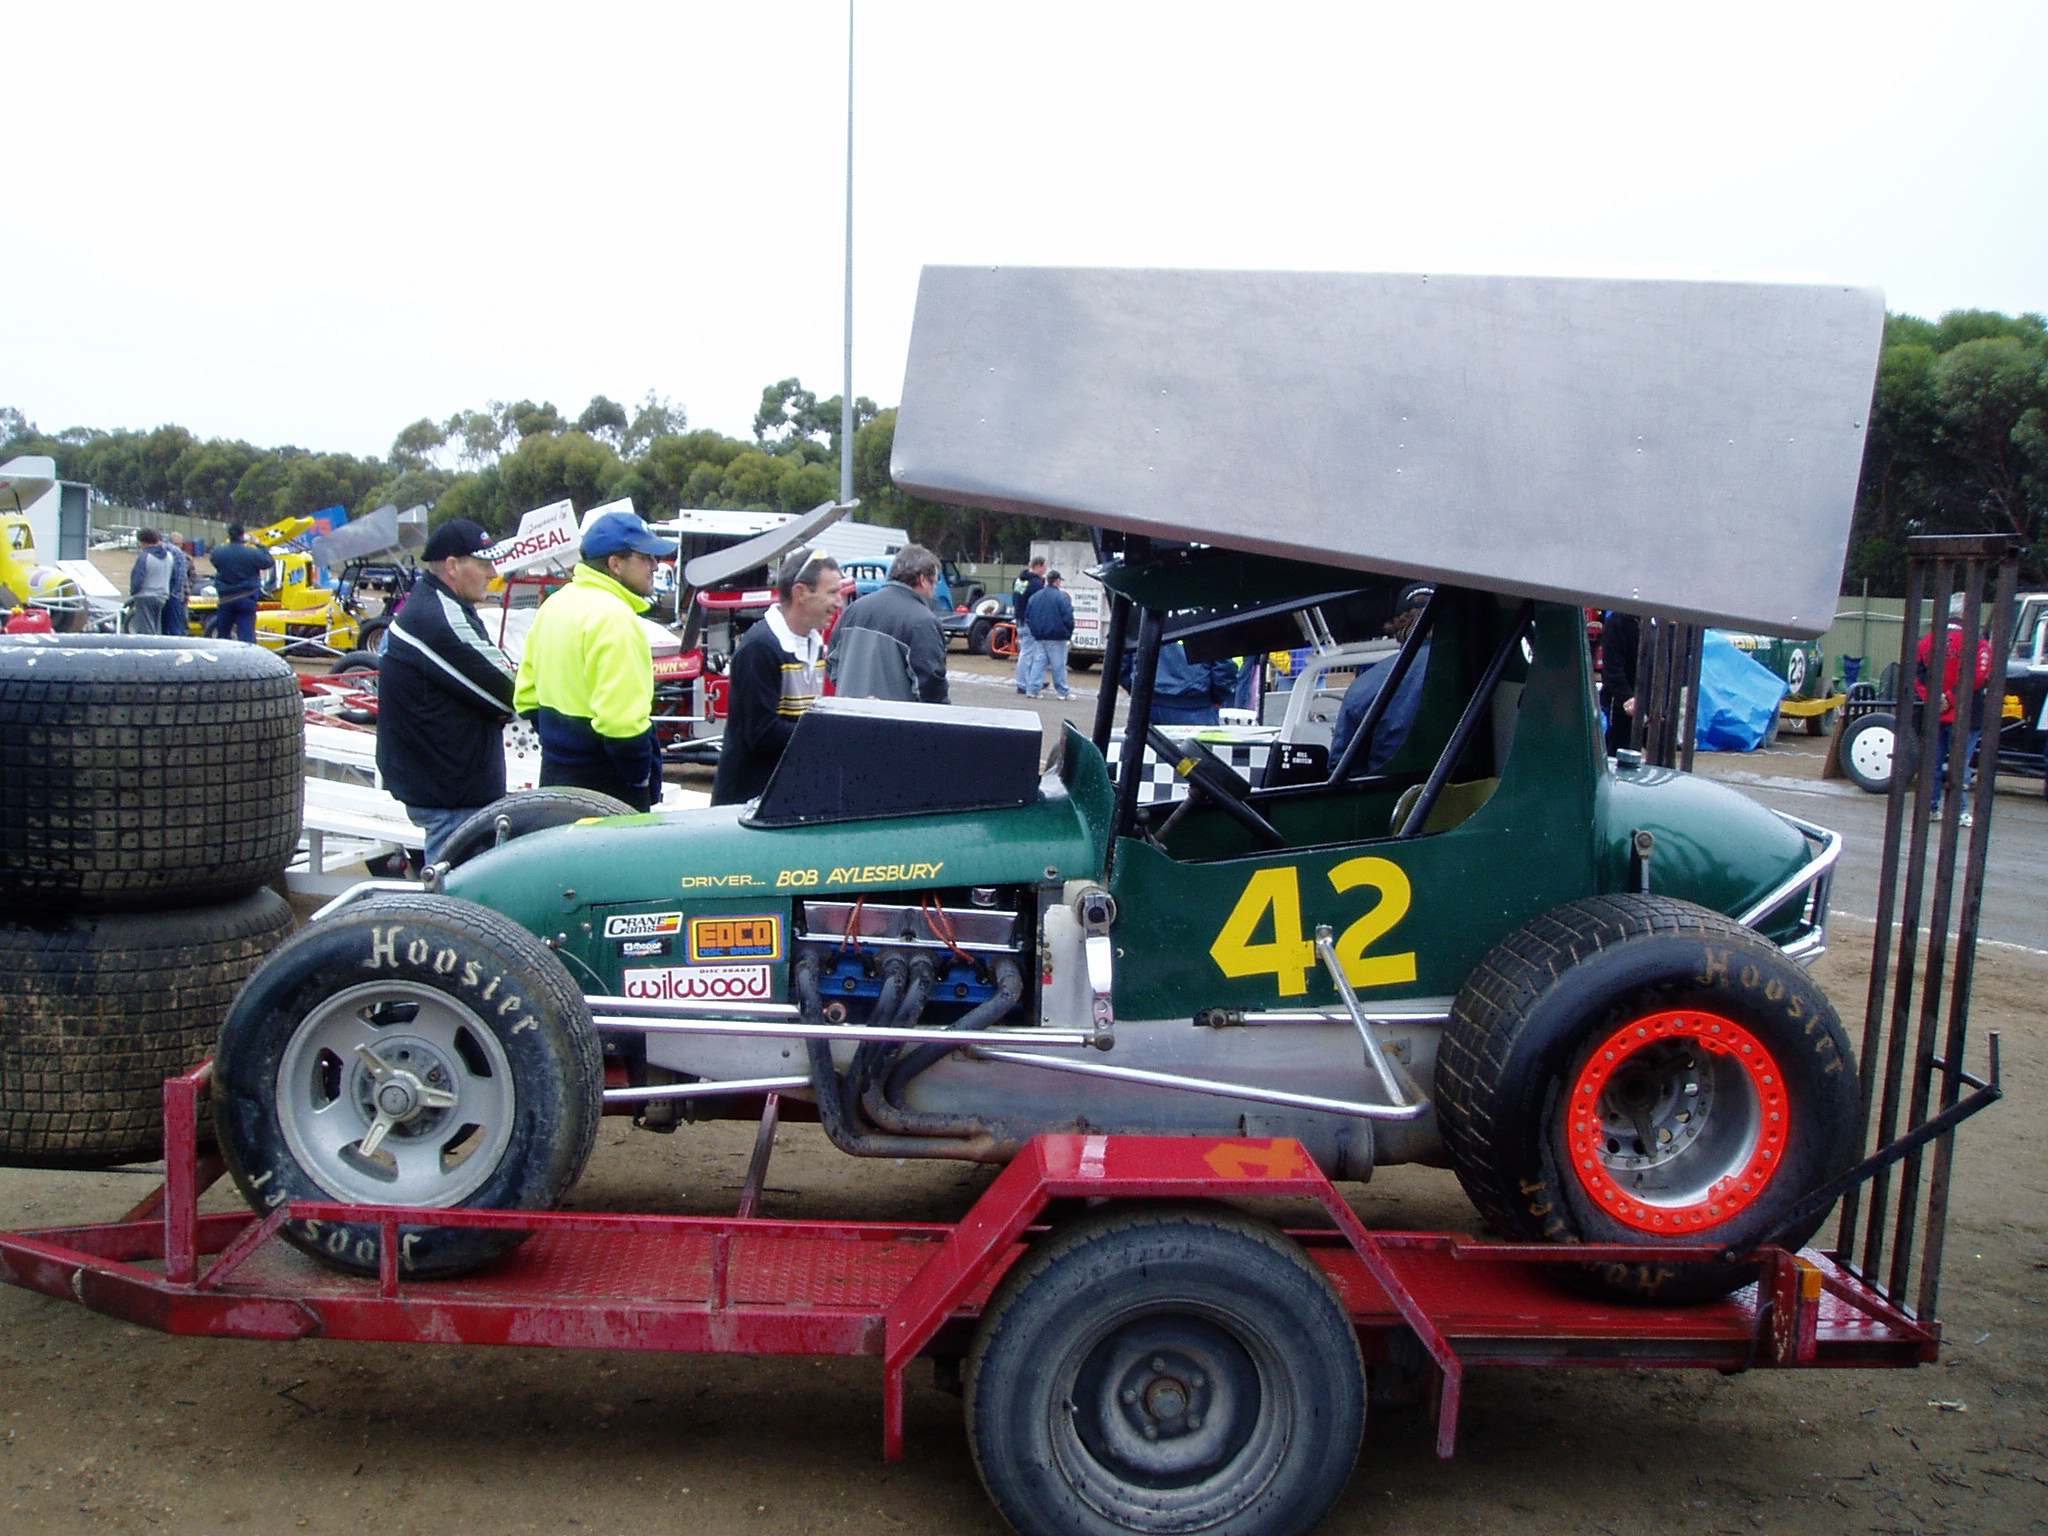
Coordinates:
(1534, 817)
(565, 882)
(1211, 922)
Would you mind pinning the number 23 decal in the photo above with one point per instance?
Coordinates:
(1290, 954)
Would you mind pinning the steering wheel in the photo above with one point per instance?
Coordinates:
(1208, 775)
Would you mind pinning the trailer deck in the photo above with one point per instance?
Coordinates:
(750, 1284)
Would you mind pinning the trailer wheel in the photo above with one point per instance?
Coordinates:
(96, 1011)
(1638, 1069)
(1165, 1369)
(415, 1051)
(1870, 748)
(524, 811)
(354, 661)
(977, 636)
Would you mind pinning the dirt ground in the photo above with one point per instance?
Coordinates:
(109, 1427)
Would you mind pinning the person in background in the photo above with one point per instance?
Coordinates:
(888, 645)
(1951, 690)
(586, 679)
(177, 617)
(775, 674)
(444, 691)
(1050, 619)
(1620, 638)
(1186, 692)
(238, 569)
(149, 584)
(1399, 716)
(1028, 586)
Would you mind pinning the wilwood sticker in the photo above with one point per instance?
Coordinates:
(642, 925)
(700, 983)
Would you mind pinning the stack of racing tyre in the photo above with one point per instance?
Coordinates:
(150, 787)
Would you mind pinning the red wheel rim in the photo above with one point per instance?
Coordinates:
(1678, 1122)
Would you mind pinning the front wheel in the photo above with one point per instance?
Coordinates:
(1165, 1370)
(1637, 1069)
(414, 1052)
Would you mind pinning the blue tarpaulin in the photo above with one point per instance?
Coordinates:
(1739, 698)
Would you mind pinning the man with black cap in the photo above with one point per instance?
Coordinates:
(586, 679)
(1399, 716)
(444, 691)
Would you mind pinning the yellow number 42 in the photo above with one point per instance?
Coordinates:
(1290, 955)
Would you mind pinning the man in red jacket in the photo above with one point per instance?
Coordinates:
(1951, 676)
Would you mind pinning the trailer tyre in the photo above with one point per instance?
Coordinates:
(414, 1051)
(95, 1012)
(141, 771)
(1638, 1069)
(1164, 1370)
(524, 811)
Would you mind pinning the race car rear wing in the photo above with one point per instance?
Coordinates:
(1686, 448)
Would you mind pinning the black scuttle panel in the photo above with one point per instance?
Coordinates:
(858, 759)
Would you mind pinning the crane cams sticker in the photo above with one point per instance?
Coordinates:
(643, 925)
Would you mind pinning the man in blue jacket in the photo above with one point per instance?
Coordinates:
(1050, 618)
(444, 691)
(238, 584)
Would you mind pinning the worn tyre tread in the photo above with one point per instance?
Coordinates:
(95, 1012)
(146, 773)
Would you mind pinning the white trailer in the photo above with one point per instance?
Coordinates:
(1073, 559)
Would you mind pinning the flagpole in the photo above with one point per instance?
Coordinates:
(846, 391)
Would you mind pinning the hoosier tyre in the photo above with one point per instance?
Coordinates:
(419, 1052)
(142, 771)
(1637, 1069)
(95, 1012)
(1165, 1370)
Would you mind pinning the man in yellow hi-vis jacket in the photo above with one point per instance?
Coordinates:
(586, 679)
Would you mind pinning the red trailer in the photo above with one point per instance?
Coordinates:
(1220, 1378)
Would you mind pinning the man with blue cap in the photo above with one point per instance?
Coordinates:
(586, 679)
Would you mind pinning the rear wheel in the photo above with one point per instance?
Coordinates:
(416, 1052)
(1636, 1069)
(1165, 1370)
(524, 811)
(977, 636)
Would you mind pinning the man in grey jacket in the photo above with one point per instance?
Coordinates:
(149, 584)
(888, 645)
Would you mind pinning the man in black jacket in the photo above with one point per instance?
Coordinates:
(774, 676)
(444, 691)
(889, 644)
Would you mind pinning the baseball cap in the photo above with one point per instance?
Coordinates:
(457, 536)
(617, 532)
(1415, 595)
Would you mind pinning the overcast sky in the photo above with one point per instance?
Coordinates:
(311, 225)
